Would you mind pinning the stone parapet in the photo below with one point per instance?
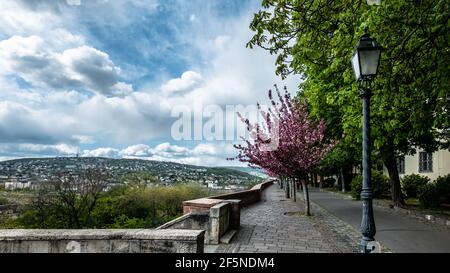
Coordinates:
(101, 241)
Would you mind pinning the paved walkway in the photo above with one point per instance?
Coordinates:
(277, 224)
(398, 232)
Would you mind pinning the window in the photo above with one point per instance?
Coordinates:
(401, 165)
(425, 162)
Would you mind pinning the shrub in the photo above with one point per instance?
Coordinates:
(429, 196)
(380, 185)
(412, 183)
(130, 206)
(329, 182)
(434, 194)
(443, 186)
(3, 201)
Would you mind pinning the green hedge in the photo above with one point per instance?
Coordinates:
(434, 194)
(380, 185)
(411, 184)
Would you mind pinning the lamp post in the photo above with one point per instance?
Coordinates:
(365, 63)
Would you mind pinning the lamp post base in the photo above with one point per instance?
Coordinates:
(364, 245)
(369, 246)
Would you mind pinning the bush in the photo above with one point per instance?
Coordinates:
(411, 184)
(434, 194)
(429, 196)
(130, 206)
(329, 182)
(443, 186)
(3, 201)
(380, 185)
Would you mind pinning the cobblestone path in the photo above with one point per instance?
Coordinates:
(277, 224)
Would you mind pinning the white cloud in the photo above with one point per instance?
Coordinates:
(20, 123)
(204, 154)
(169, 151)
(74, 2)
(206, 149)
(188, 80)
(41, 46)
(101, 152)
(121, 89)
(136, 151)
(58, 149)
(221, 42)
(31, 149)
(82, 67)
(14, 19)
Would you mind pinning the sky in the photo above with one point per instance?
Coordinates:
(109, 77)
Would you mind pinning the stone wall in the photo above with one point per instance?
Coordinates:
(222, 211)
(192, 220)
(101, 241)
(247, 197)
(215, 222)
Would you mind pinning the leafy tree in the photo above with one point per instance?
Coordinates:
(287, 142)
(68, 201)
(339, 161)
(411, 102)
(124, 206)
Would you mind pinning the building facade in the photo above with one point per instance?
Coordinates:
(431, 165)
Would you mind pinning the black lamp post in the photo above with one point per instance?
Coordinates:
(365, 65)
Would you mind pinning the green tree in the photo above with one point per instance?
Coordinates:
(411, 102)
(339, 161)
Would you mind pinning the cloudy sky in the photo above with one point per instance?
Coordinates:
(103, 77)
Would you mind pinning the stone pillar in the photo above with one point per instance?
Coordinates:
(235, 213)
(219, 219)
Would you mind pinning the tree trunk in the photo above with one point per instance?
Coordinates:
(320, 182)
(281, 182)
(287, 189)
(306, 195)
(343, 180)
(396, 190)
(294, 190)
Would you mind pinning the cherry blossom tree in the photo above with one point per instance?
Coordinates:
(287, 142)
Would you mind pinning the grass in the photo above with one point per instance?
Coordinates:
(414, 202)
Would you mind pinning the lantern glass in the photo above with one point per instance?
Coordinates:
(368, 61)
(355, 64)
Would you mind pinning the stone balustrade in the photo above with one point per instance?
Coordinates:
(101, 241)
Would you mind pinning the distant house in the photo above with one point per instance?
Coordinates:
(431, 165)
(15, 185)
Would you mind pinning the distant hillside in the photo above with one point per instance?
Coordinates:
(40, 168)
(251, 171)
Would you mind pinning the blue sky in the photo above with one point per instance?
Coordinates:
(103, 77)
